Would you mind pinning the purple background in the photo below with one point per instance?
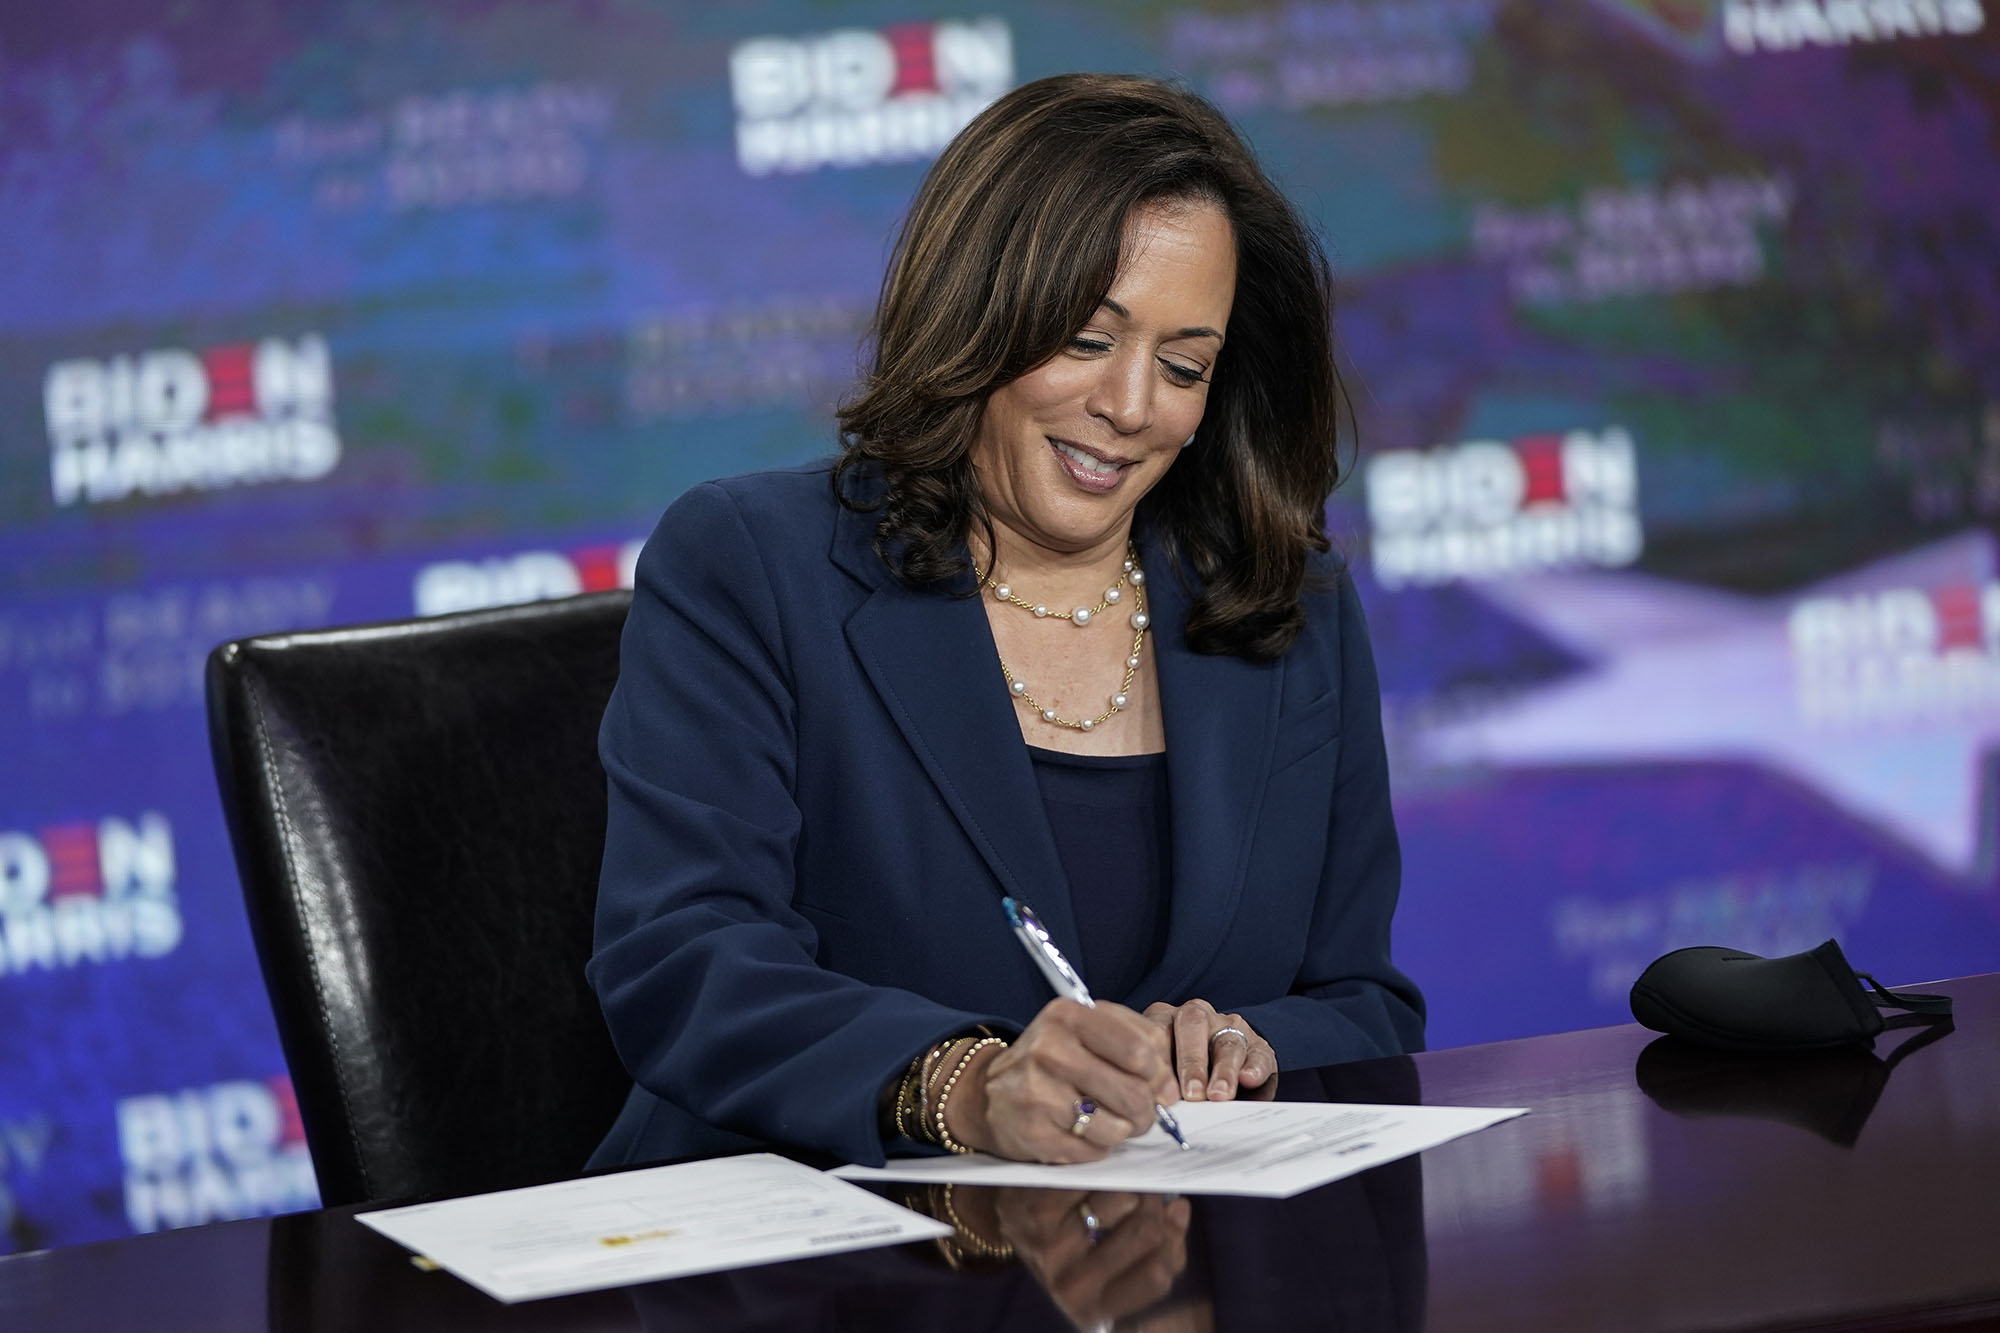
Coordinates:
(553, 299)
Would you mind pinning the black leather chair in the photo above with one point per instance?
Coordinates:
(417, 811)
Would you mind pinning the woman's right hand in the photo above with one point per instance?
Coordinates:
(1022, 1101)
(1101, 1257)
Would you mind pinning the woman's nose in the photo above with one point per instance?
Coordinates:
(1123, 394)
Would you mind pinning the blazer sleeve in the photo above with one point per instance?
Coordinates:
(1349, 1001)
(705, 972)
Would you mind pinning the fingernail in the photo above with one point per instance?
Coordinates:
(1219, 1088)
(1194, 1090)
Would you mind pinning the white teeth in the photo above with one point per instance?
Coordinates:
(1094, 466)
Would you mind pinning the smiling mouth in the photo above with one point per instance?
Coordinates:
(1095, 464)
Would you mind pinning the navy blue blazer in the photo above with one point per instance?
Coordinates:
(819, 794)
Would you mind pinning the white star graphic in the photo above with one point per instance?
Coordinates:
(1680, 673)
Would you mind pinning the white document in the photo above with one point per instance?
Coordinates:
(641, 1226)
(1269, 1150)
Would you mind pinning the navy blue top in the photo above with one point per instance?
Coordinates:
(1113, 832)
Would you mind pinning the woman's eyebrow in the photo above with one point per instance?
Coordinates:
(1194, 331)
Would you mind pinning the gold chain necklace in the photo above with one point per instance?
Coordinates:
(1082, 616)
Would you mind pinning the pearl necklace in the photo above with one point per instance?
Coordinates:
(1083, 615)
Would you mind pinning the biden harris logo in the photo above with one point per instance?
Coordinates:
(1754, 27)
(1490, 508)
(861, 96)
(1759, 27)
(1897, 654)
(214, 1154)
(75, 895)
(172, 420)
(524, 576)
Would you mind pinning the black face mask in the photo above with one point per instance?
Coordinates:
(1829, 1092)
(1802, 1002)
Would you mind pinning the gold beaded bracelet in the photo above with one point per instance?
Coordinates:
(944, 1138)
(907, 1113)
(935, 1060)
(909, 1097)
(926, 1066)
(967, 1242)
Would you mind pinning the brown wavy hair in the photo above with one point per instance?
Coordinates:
(1012, 240)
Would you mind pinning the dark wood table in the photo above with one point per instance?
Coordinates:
(1652, 1188)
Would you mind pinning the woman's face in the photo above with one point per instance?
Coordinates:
(1065, 452)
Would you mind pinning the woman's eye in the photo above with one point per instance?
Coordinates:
(1181, 374)
(1090, 345)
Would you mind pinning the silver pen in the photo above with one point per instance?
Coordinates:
(1035, 939)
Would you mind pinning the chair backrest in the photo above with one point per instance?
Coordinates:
(417, 811)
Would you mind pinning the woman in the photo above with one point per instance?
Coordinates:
(1060, 624)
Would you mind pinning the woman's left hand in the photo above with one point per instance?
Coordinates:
(1215, 1054)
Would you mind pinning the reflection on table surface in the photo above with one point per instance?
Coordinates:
(1349, 1256)
(1652, 1187)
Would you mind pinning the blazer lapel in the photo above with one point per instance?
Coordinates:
(1222, 721)
(931, 659)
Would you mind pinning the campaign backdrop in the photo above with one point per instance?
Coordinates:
(1674, 336)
